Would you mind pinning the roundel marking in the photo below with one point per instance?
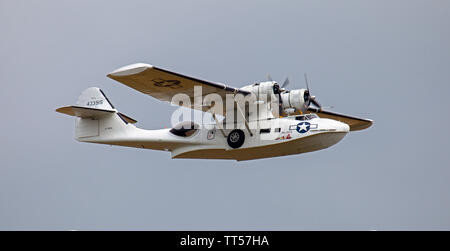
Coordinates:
(303, 127)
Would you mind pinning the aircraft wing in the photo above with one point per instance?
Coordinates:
(163, 84)
(355, 123)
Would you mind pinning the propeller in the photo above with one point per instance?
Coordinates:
(285, 83)
(311, 99)
(282, 89)
(276, 88)
(308, 98)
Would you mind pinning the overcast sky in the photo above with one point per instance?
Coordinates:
(384, 60)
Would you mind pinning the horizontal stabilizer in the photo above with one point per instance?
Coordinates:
(84, 112)
(127, 119)
(94, 113)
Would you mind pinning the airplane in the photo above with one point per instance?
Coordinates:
(271, 122)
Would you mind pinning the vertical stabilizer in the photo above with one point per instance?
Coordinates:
(94, 97)
(97, 119)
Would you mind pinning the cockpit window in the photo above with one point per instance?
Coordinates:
(306, 117)
(185, 129)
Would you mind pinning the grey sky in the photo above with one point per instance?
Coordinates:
(385, 60)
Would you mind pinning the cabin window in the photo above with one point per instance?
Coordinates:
(264, 131)
(185, 129)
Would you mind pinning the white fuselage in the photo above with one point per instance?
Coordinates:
(273, 137)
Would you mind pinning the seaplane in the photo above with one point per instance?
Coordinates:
(261, 120)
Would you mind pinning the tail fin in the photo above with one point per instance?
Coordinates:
(97, 118)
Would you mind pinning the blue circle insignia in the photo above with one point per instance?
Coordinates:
(303, 127)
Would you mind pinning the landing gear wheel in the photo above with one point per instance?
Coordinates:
(236, 138)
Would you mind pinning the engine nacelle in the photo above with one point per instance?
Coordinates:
(297, 99)
(264, 88)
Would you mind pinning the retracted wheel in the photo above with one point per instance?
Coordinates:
(236, 138)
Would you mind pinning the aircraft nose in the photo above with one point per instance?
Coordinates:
(342, 127)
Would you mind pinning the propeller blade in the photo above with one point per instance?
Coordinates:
(306, 81)
(314, 101)
(285, 83)
(269, 77)
(280, 108)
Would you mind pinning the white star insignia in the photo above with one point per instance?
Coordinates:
(303, 127)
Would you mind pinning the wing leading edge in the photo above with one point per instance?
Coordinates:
(163, 84)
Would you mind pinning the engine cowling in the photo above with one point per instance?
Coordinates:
(264, 88)
(297, 99)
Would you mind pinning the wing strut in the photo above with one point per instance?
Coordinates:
(219, 126)
(243, 116)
